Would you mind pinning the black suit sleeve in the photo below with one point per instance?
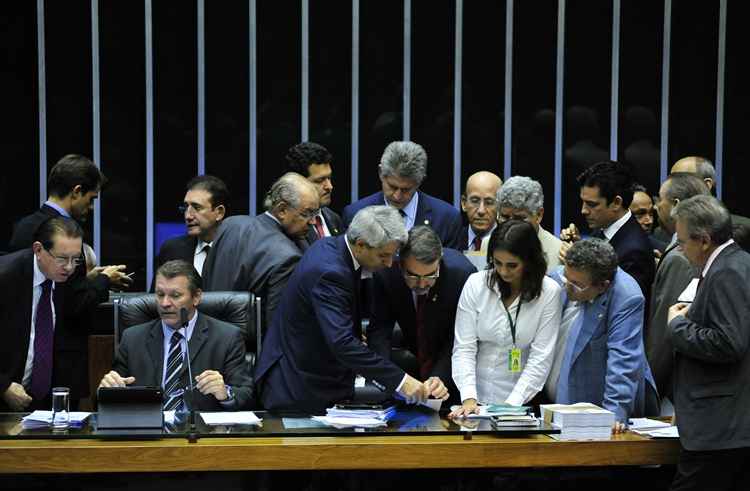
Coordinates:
(277, 280)
(640, 264)
(453, 234)
(382, 319)
(236, 375)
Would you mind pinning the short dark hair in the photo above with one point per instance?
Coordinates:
(180, 267)
(520, 239)
(612, 178)
(213, 186)
(302, 155)
(46, 232)
(72, 170)
(423, 244)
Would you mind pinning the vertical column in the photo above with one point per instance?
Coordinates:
(666, 48)
(42, 76)
(355, 102)
(559, 112)
(201, 36)
(305, 70)
(615, 91)
(719, 159)
(96, 112)
(508, 124)
(407, 71)
(149, 143)
(457, 108)
(253, 63)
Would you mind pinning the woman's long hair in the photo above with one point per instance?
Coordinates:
(520, 239)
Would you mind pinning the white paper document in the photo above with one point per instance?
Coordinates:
(231, 418)
(434, 404)
(349, 422)
(688, 294)
(41, 419)
(641, 424)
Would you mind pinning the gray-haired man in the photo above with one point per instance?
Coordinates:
(313, 349)
(522, 198)
(402, 169)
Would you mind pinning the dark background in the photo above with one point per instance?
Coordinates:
(587, 72)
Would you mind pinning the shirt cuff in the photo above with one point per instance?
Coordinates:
(468, 393)
(398, 389)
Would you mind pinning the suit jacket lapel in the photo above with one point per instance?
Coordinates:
(592, 316)
(198, 339)
(331, 222)
(155, 347)
(424, 212)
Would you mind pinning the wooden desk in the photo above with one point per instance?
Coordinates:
(337, 452)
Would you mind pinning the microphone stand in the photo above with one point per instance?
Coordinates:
(192, 434)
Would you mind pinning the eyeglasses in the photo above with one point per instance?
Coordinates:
(182, 208)
(427, 277)
(576, 288)
(476, 202)
(64, 260)
(308, 214)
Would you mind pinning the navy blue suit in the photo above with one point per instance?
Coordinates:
(443, 218)
(393, 302)
(635, 255)
(313, 351)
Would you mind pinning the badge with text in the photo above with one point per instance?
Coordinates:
(514, 360)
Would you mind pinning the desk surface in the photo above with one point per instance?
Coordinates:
(327, 452)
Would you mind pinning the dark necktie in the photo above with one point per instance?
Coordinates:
(206, 249)
(402, 213)
(319, 227)
(172, 393)
(423, 355)
(599, 234)
(477, 243)
(41, 374)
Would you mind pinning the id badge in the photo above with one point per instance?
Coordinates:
(514, 360)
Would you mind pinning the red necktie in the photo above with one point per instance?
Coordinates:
(423, 355)
(319, 227)
(477, 243)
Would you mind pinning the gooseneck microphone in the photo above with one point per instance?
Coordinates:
(184, 321)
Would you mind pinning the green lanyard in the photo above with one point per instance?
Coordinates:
(510, 321)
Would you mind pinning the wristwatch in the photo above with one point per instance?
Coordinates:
(230, 393)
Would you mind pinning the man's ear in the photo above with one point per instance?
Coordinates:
(76, 191)
(617, 201)
(221, 212)
(463, 203)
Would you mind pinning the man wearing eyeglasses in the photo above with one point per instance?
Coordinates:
(205, 205)
(479, 202)
(599, 355)
(522, 198)
(258, 254)
(35, 353)
(420, 292)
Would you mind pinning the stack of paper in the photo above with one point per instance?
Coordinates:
(526, 420)
(487, 411)
(231, 418)
(653, 428)
(360, 418)
(43, 419)
(581, 421)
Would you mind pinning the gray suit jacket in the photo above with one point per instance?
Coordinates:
(214, 345)
(712, 359)
(251, 254)
(672, 277)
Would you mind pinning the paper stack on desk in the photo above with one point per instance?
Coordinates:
(360, 418)
(43, 419)
(490, 410)
(231, 418)
(581, 421)
(652, 428)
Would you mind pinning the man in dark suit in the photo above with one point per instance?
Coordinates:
(313, 349)
(36, 354)
(711, 338)
(606, 193)
(479, 202)
(402, 169)
(673, 274)
(258, 254)
(420, 292)
(313, 161)
(205, 206)
(155, 354)
(73, 184)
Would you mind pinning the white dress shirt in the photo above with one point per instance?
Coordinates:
(199, 257)
(410, 210)
(39, 278)
(614, 227)
(483, 340)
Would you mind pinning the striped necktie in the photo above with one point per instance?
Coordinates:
(172, 392)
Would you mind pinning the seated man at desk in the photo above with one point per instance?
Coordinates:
(153, 353)
(599, 357)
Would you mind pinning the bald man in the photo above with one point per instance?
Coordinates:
(704, 169)
(479, 202)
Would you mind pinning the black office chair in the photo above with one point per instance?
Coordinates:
(239, 308)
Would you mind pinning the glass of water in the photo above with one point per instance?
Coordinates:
(60, 408)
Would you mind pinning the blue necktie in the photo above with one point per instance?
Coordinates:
(44, 334)
(172, 393)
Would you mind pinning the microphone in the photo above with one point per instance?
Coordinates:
(184, 321)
